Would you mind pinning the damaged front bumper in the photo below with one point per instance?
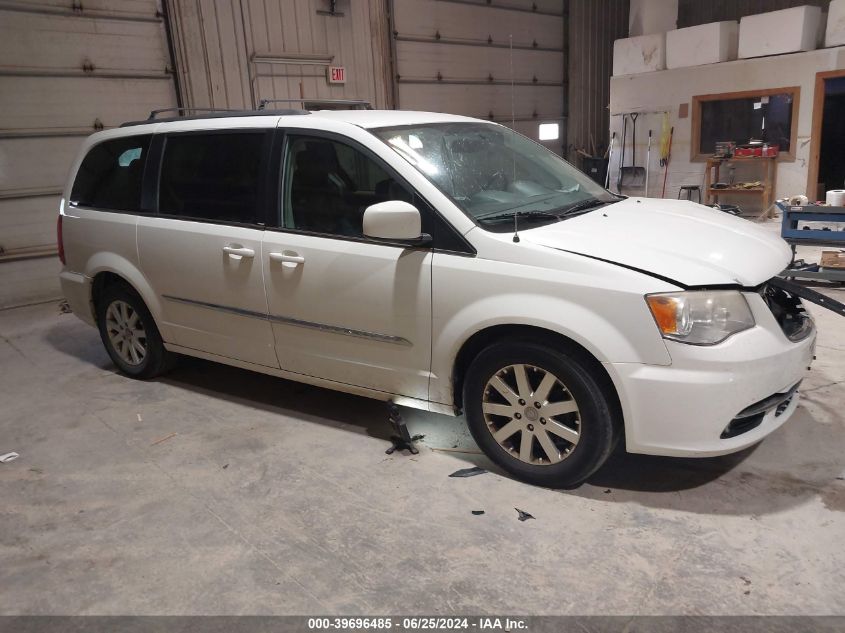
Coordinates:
(716, 399)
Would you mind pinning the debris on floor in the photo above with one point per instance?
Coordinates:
(225, 466)
(401, 440)
(478, 512)
(468, 472)
(466, 451)
(140, 419)
(164, 439)
(64, 308)
(523, 516)
(8, 457)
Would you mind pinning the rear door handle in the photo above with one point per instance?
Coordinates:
(293, 258)
(238, 251)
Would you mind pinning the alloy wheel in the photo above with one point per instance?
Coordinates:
(531, 414)
(126, 332)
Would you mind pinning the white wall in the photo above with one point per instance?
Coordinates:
(667, 90)
(652, 16)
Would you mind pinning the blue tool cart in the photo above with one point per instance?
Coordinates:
(794, 234)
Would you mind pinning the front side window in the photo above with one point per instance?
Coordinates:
(110, 175)
(329, 185)
(493, 173)
(211, 176)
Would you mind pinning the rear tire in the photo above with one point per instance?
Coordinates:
(130, 335)
(540, 414)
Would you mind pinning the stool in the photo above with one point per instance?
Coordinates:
(689, 190)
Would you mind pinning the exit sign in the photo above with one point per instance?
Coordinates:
(336, 74)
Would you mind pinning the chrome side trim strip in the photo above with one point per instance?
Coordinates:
(375, 336)
(214, 306)
(333, 329)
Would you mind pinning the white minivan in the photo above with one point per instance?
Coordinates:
(440, 262)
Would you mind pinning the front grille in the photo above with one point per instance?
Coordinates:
(788, 312)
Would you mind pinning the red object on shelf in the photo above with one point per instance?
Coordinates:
(756, 150)
(747, 152)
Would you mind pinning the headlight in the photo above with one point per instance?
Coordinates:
(700, 317)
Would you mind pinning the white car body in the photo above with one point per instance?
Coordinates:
(390, 323)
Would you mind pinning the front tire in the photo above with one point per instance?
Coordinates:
(540, 414)
(130, 335)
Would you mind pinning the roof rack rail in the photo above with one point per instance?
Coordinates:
(208, 113)
(361, 104)
(155, 113)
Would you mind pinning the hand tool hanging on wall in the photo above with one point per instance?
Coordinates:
(609, 157)
(633, 176)
(665, 161)
(665, 131)
(622, 153)
(647, 163)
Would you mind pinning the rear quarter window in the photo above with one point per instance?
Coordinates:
(212, 176)
(111, 174)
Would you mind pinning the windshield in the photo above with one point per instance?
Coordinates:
(493, 173)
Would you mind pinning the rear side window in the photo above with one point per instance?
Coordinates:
(110, 175)
(211, 176)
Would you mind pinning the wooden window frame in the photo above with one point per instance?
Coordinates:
(795, 91)
(816, 134)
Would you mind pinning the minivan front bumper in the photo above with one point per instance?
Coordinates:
(699, 406)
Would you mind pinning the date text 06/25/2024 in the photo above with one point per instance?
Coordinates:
(417, 624)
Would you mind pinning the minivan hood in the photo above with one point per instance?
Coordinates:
(681, 241)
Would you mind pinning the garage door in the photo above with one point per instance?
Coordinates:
(454, 56)
(64, 73)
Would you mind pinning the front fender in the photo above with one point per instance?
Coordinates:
(605, 314)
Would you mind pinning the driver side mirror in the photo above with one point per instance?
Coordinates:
(395, 220)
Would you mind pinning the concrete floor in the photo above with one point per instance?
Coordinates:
(276, 498)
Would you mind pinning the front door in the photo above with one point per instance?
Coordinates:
(343, 307)
(202, 251)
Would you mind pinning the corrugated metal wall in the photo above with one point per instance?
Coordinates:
(64, 74)
(593, 27)
(695, 12)
(454, 56)
(234, 54)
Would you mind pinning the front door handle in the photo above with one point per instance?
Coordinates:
(292, 258)
(236, 252)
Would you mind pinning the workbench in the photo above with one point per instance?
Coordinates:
(765, 192)
(794, 235)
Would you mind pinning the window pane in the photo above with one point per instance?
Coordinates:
(110, 175)
(329, 185)
(211, 176)
(764, 118)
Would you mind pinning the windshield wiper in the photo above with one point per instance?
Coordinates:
(584, 205)
(509, 215)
